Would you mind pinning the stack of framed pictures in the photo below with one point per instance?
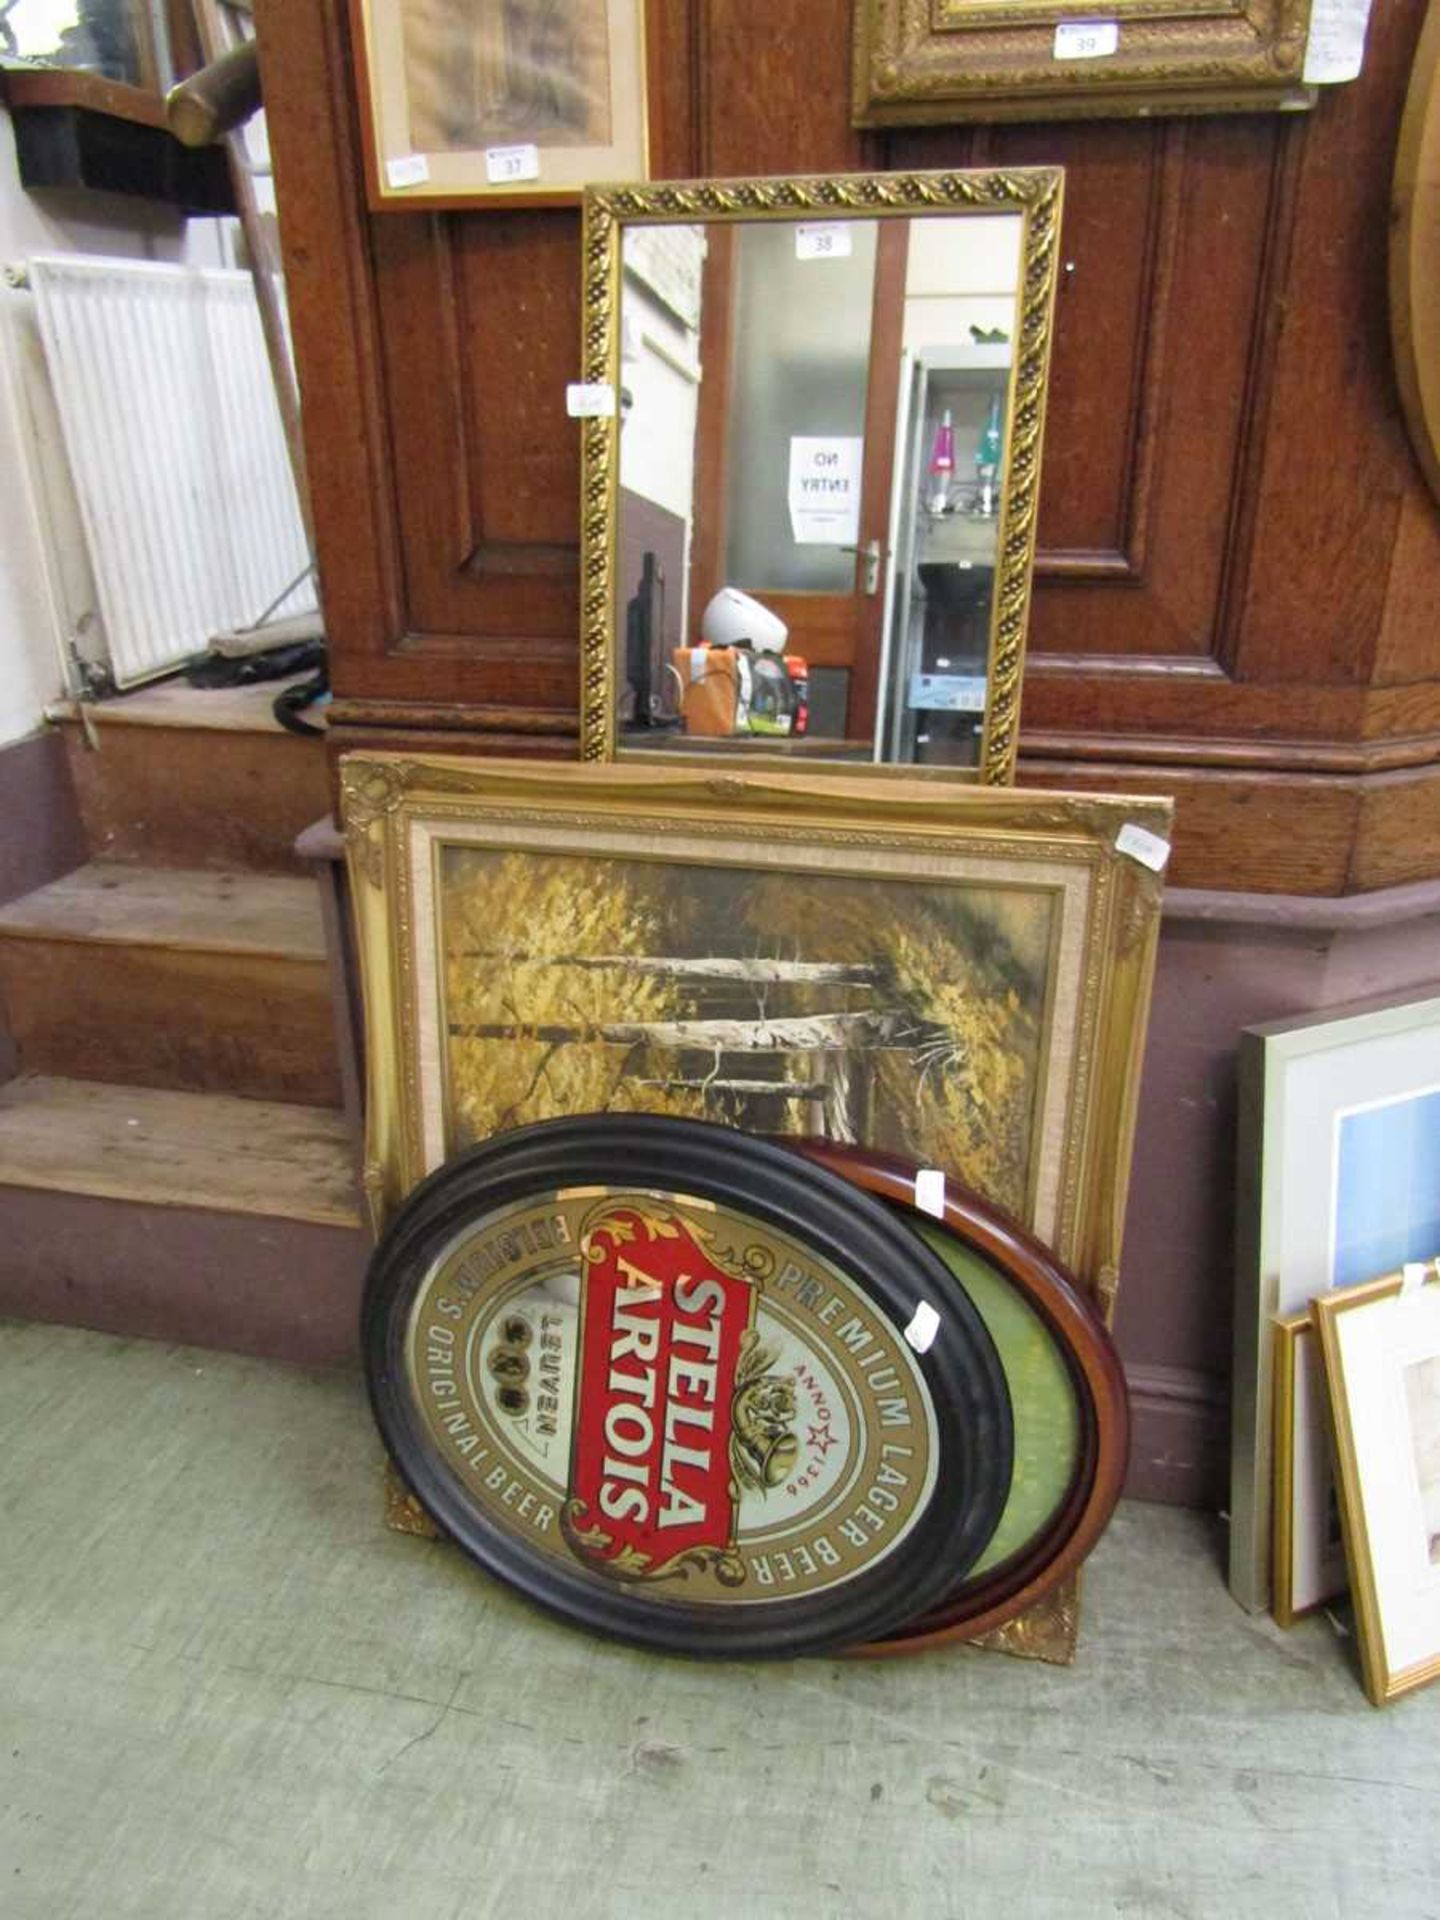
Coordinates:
(1336, 1441)
(869, 967)
(727, 1396)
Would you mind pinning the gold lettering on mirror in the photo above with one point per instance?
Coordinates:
(808, 525)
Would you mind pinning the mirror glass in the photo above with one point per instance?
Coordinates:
(810, 502)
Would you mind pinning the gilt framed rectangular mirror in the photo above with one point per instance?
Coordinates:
(811, 466)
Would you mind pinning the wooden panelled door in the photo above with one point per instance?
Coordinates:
(762, 319)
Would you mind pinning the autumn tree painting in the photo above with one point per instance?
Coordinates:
(903, 1014)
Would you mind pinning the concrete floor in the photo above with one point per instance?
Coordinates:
(226, 1691)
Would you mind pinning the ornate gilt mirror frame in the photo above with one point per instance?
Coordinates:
(1032, 193)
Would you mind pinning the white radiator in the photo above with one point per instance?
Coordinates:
(174, 441)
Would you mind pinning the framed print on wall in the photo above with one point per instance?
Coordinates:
(940, 61)
(1339, 1182)
(1381, 1343)
(468, 100)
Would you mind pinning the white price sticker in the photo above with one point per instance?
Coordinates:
(930, 1192)
(505, 165)
(407, 170)
(590, 400)
(1086, 39)
(823, 240)
(923, 1327)
(1335, 50)
(1150, 849)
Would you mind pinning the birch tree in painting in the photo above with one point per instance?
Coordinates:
(896, 1014)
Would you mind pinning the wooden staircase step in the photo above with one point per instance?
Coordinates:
(172, 978)
(178, 1149)
(173, 776)
(174, 703)
(193, 1217)
(174, 907)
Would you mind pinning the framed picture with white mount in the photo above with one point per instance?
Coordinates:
(1339, 1182)
(464, 102)
(1381, 1343)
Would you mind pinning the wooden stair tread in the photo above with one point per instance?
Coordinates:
(211, 1151)
(172, 703)
(175, 907)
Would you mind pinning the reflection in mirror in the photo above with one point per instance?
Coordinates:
(814, 469)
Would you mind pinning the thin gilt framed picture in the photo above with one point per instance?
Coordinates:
(466, 101)
(1308, 1563)
(919, 62)
(1381, 1343)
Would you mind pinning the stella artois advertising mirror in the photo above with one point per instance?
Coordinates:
(684, 1387)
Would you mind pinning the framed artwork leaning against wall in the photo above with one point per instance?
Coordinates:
(1338, 1183)
(959, 976)
(1381, 1342)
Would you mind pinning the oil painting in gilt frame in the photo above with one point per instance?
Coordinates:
(961, 977)
(465, 100)
(929, 61)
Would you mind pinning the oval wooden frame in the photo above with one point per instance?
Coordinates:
(961, 1372)
(1415, 253)
(1034, 1569)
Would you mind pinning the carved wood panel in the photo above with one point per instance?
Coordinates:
(1239, 560)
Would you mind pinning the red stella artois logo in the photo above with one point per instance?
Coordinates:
(676, 1407)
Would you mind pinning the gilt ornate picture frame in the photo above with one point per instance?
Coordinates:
(960, 976)
(919, 62)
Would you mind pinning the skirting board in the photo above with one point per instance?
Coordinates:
(1179, 1445)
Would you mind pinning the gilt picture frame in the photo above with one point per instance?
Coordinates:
(1381, 1342)
(923, 62)
(1032, 195)
(963, 977)
(464, 102)
(1308, 1550)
